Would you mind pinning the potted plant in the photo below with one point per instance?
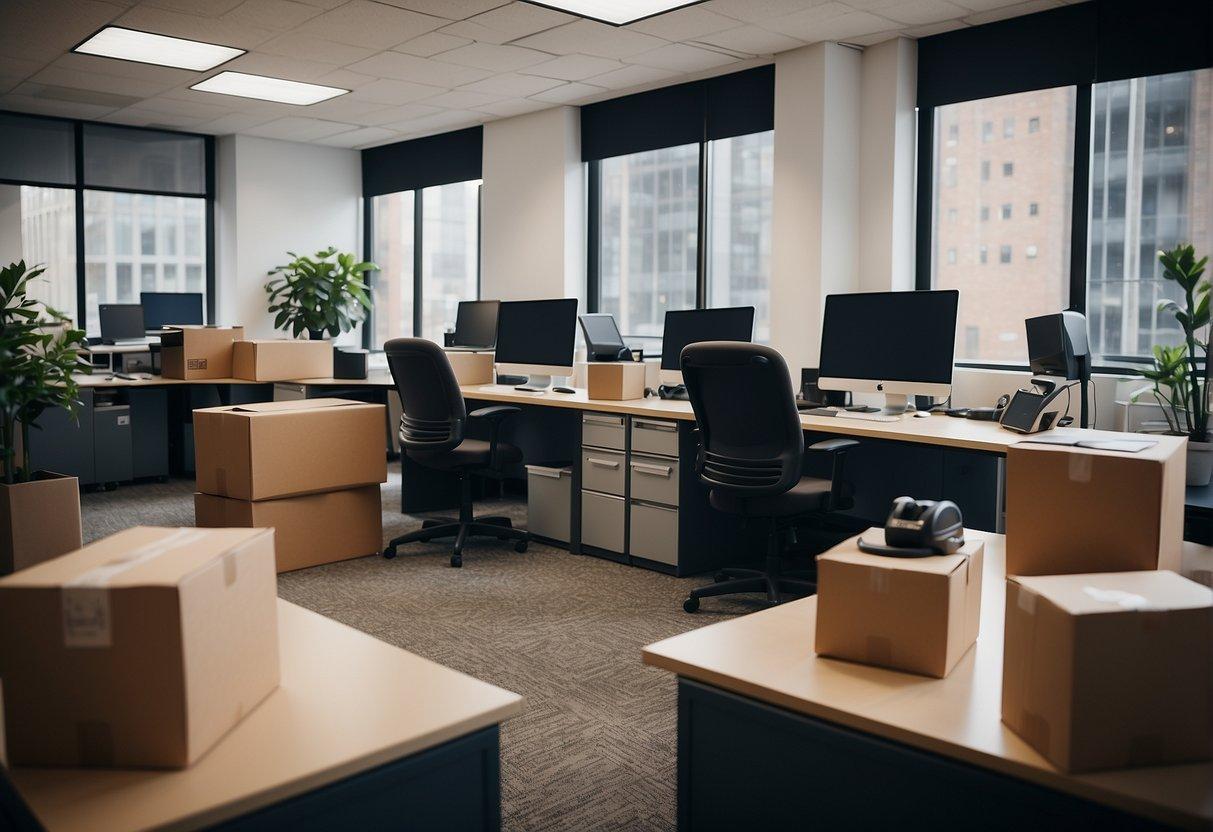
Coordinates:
(1180, 385)
(324, 294)
(39, 353)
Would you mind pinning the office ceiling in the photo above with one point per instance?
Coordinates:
(417, 67)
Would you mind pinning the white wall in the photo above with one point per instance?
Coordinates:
(274, 197)
(533, 200)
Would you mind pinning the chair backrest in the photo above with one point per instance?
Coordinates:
(434, 415)
(750, 439)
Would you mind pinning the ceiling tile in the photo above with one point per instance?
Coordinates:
(450, 9)
(324, 4)
(205, 8)
(514, 107)
(872, 39)
(690, 23)
(591, 38)
(316, 48)
(391, 91)
(517, 20)
(568, 93)
(934, 28)
(356, 138)
(23, 67)
(419, 70)
(431, 43)
(573, 67)
(139, 117)
(513, 85)
(76, 95)
(492, 57)
(233, 123)
(407, 114)
(194, 27)
(829, 21)
(344, 108)
(754, 11)
(468, 30)
(44, 32)
(982, 5)
(48, 107)
(630, 76)
(299, 128)
(682, 58)
(916, 12)
(364, 23)
(167, 76)
(197, 109)
(462, 99)
(1011, 11)
(345, 79)
(101, 83)
(440, 122)
(272, 14)
(752, 40)
(278, 66)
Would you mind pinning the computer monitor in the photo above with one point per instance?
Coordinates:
(476, 324)
(690, 326)
(161, 309)
(602, 338)
(536, 337)
(896, 343)
(121, 322)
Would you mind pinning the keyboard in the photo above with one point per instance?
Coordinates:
(849, 414)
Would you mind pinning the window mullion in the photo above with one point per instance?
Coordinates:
(701, 241)
(418, 230)
(1080, 199)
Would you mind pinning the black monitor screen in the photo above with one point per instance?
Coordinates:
(121, 320)
(601, 333)
(890, 336)
(476, 323)
(537, 332)
(691, 326)
(160, 309)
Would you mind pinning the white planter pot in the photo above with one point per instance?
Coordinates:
(1200, 462)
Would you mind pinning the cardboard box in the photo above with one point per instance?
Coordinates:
(308, 530)
(615, 380)
(194, 352)
(139, 650)
(472, 367)
(282, 449)
(39, 520)
(281, 360)
(914, 614)
(1074, 511)
(1110, 670)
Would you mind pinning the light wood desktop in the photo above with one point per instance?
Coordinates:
(347, 703)
(768, 656)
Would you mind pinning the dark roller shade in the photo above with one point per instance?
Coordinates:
(1137, 39)
(420, 163)
(741, 103)
(37, 150)
(144, 160)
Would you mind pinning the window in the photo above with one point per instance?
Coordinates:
(952, 256)
(987, 131)
(38, 225)
(953, 134)
(392, 288)
(740, 185)
(1030, 252)
(1150, 189)
(1034, 124)
(996, 309)
(953, 215)
(1008, 168)
(1033, 209)
(648, 237)
(1008, 127)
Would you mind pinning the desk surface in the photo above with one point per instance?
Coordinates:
(101, 379)
(317, 728)
(769, 656)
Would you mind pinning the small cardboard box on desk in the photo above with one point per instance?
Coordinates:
(472, 368)
(310, 469)
(139, 650)
(281, 360)
(914, 614)
(615, 380)
(1110, 670)
(198, 352)
(1076, 510)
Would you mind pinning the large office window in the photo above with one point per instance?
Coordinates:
(1151, 187)
(998, 293)
(38, 225)
(648, 237)
(394, 230)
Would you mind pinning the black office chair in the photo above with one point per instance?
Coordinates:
(432, 434)
(751, 450)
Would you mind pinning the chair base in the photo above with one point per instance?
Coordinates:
(774, 581)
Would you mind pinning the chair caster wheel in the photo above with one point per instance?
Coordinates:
(720, 577)
(389, 552)
(520, 546)
(456, 561)
(691, 604)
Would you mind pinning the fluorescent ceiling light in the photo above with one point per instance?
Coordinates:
(267, 89)
(615, 12)
(146, 48)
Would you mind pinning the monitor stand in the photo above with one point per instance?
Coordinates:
(895, 404)
(535, 383)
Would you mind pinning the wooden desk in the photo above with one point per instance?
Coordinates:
(101, 380)
(402, 735)
(731, 674)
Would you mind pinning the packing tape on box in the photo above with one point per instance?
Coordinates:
(879, 581)
(1025, 600)
(1080, 467)
(1119, 597)
(85, 598)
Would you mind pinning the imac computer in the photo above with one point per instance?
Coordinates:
(536, 337)
(690, 326)
(121, 323)
(896, 343)
(161, 309)
(475, 325)
(602, 338)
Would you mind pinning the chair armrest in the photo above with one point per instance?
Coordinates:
(831, 445)
(495, 416)
(837, 449)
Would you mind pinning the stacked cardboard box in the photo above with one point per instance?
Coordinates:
(309, 469)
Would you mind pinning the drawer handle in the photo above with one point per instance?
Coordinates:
(661, 426)
(657, 506)
(553, 473)
(655, 470)
(603, 463)
(603, 420)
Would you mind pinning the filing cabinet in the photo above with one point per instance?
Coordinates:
(653, 532)
(603, 471)
(602, 521)
(654, 436)
(603, 430)
(654, 479)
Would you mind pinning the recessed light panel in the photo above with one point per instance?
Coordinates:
(615, 12)
(147, 48)
(267, 89)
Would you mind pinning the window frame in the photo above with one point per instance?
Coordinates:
(80, 186)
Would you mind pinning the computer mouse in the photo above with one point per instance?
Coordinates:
(563, 390)
(922, 414)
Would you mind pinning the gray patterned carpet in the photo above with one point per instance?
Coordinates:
(594, 748)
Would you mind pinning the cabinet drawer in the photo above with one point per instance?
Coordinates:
(602, 430)
(654, 479)
(603, 471)
(654, 436)
(654, 533)
(602, 521)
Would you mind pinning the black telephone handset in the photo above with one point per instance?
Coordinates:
(919, 529)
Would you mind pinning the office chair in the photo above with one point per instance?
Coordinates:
(432, 427)
(751, 453)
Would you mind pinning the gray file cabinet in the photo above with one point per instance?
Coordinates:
(549, 501)
(653, 480)
(112, 459)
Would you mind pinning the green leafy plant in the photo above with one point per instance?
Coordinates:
(318, 295)
(39, 353)
(1179, 384)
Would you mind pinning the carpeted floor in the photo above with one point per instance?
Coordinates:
(594, 748)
